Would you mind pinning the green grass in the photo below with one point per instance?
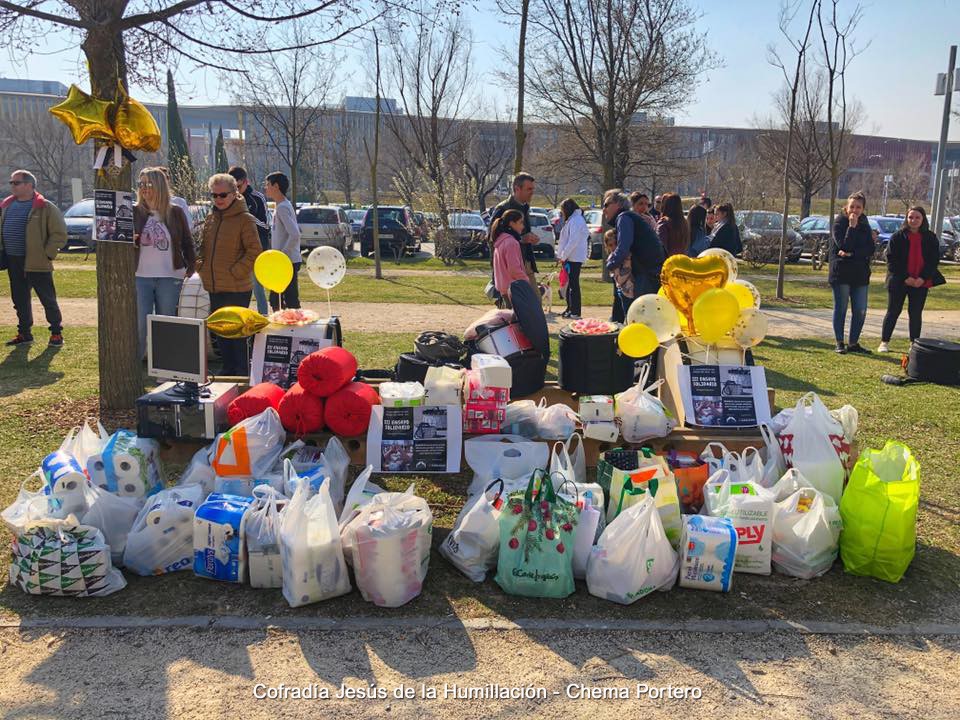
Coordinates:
(46, 392)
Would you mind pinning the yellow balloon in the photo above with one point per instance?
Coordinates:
(715, 313)
(684, 325)
(273, 270)
(656, 313)
(135, 128)
(233, 322)
(84, 115)
(637, 340)
(684, 279)
(741, 293)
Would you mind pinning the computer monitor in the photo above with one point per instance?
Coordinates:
(177, 349)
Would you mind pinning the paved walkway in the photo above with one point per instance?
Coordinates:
(404, 317)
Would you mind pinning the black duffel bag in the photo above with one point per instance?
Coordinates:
(439, 347)
(936, 361)
(593, 364)
(413, 368)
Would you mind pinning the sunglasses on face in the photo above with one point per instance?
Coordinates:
(220, 196)
(18, 182)
(145, 184)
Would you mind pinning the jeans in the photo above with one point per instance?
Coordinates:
(856, 296)
(260, 293)
(573, 286)
(21, 283)
(618, 314)
(291, 296)
(234, 353)
(916, 297)
(159, 296)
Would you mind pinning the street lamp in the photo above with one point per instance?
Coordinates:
(945, 87)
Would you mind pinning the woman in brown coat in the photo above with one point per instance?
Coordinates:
(229, 246)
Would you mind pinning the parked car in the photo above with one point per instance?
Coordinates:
(324, 225)
(760, 232)
(546, 239)
(396, 230)
(420, 226)
(470, 233)
(950, 239)
(79, 220)
(594, 219)
(815, 231)
(355, 217)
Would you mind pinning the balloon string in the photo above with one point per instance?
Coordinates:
(329, 307)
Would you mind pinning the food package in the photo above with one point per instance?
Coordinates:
(708, 549)
(443, 386)
(597, 408)
(522, 418)
(477, 391)
(481, 418)
(750, 508)
(494, 371)
(402, 394)
(219, 552)
(602, 431)
(128, 466)
(161, 539)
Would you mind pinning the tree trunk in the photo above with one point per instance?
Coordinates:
(521, 135)
(121, 378)
(806, 201)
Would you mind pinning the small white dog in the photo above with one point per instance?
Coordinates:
(546, 291)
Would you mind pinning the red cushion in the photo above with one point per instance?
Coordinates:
(253, 402)
(325, 371)
(301, 412)
(348, 410)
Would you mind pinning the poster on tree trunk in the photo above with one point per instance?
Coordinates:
(113, 221)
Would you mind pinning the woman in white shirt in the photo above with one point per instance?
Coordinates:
(284, 236)
(572, 251)
(164, 248)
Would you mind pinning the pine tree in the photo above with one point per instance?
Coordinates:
(220, 153)
(178, 153)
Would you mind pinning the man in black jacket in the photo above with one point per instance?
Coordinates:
(524, 185)
(256, 206)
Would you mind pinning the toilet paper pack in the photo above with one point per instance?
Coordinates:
(161, 539)
(219, 552)
(494, 371)
(597, 408)
(63, 481)
(708, 548)
(443, 386)
(128, 466)
(401, 394)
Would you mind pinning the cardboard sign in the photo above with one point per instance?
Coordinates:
(278, 350)
(731, 396)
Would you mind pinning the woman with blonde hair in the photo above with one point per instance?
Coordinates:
(851, 251)
(164, 248)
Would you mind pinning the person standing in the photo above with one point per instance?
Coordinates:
(726, 234)
(655, 210)
(229, 247)
(32, 232)
(572, 251)
(524, 185)
(697, 220)
(636, 240)
(507, 256)
(640, 202)
(672, 228)
(164, 248)
(256, 206)
(851, 251)
(284, 236)
(912, 258)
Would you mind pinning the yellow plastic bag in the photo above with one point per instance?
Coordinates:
(234, 322)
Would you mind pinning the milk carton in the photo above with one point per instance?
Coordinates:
(708, 548)
(218, 529)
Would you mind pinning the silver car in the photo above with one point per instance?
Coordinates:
(324, 225)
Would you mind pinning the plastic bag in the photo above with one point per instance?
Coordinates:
(642, 416)
(199, 472)
(813, 442)
(522, 418)
(113, 515)
(62, 557)
(750, 508)
(251, 448)
(879, 513)
(578, 456)
(774, 465)
(262, 537)
(509, 457)
(806, 534)
(310, 548)
(653, 478)
(84, 441)
(33, 506)
(127, 465)
(161, 539)
(556, 422)
(537, 537)
(633, 557)
(337, 462)
(361, 493)
(473, 543)
(388, 544)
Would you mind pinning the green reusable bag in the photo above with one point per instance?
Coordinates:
(537, 533)
(879, 513)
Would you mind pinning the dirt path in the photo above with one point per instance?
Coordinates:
(212, 673)
(404, 317)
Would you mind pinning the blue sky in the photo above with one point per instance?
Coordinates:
(893, 78)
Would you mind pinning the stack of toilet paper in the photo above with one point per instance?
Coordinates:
(219, 552)
(402, 394)
(708, 549)
(599, 420)
(161, 539)
(128, 466)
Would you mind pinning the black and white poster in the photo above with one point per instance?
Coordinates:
(731, 396)
(113, 216)
(277, 352)
(415, 439)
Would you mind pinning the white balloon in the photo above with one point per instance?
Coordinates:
(657, 313)
(753, 290)
(751, 328)
(326, 267)
(732, 269)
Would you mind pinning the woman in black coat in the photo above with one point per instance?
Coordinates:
(726, 234)
(851, 251)
(912, 258)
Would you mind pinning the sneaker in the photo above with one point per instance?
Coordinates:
(572, 316)
(56, 340)
(841, 349)
(20, 340)
(884, 347)
(858, 348)
(565, 314)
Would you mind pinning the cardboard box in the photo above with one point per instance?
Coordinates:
(597, 408)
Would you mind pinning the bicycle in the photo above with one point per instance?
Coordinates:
(818, 257)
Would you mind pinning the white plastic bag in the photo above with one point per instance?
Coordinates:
(812, 442)
(561, 467)
(556, 422)
(113, 515)
(750, 508)
(508, 457)
(337, 462)
(806, 534)
(250, 448)
(643, 416)
(474, 542)
(262, 537)
(127, 465)
(587, 527)
(361, 492)
(774, 465)
(310, 548)
(199, 472)
(161, 539)
(84, 441)
(633, 557)
(522, 418)
(33, 506)
(578, 456)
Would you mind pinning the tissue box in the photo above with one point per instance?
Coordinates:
(596, 408)
(603, 431)
(128, 466)
(476, 391)
(708, 548)
(219, 552)
(401, 394)
(494, 371)
(443, 386)
(483, 417)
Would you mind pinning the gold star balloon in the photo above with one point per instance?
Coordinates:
(85, 116)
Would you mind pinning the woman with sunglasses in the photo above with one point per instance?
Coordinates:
(164, 248)
(229, 245)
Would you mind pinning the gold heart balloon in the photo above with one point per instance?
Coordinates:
(684, 279)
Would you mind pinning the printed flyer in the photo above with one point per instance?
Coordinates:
(277, 351)
(113, 221)
(415, 439)
(733, 396)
